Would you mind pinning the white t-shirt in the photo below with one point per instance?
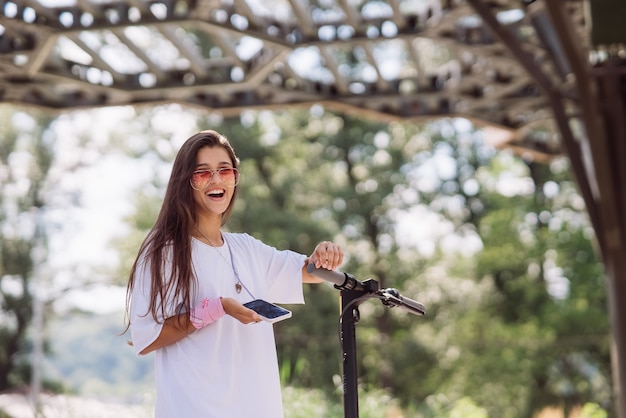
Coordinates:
(226, 369)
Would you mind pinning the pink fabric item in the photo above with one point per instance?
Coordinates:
(209, 311)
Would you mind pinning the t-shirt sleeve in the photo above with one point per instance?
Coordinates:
(281, 270)
(285, 277)
(144, 329)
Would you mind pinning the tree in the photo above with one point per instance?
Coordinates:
(26, 156)
(538, 333)
(516, 316)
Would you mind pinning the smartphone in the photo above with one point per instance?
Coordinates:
(268, 311)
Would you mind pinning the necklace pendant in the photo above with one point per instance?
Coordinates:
(238, 287)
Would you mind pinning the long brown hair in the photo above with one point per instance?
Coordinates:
(170, 236)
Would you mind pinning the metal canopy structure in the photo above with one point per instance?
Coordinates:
(550, 73)
(400, 59)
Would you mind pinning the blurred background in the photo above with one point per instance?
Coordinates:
(467, 153)
(497, 247)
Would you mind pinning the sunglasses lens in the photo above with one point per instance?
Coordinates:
(228, 175)
(201, 178)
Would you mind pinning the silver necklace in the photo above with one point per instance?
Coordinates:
(239, 285)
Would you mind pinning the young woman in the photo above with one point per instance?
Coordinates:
(213, 356)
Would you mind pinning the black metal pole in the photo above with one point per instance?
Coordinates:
(352, 294)
(350, 310)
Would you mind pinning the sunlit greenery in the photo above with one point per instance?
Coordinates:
(497, 247)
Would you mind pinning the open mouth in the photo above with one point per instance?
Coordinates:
(216, 193)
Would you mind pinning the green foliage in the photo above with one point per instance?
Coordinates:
(515, 295)
(308, 403)
(314, 403)
(26, 154)
(147, 210)
(592, 410)
(440, 406)
(530, 253)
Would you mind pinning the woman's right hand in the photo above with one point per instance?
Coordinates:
(235, 309)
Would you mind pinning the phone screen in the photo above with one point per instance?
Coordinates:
(268, 311)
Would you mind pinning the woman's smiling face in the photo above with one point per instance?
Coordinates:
(213, 192)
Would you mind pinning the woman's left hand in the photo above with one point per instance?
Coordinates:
(327, 255)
